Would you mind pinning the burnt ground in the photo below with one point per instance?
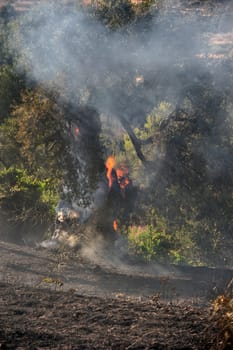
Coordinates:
(58, 300)
(35, 318)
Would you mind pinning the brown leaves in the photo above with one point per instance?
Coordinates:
(37, 125)
(223, 319)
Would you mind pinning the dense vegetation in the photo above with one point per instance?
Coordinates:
(171, 125)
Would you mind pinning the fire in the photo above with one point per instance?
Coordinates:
(118, 182)
(115, 225)
(120, 174)
(123, 177)
(76, 131)
(110, 162)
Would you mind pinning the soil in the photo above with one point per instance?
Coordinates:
(35, 318)
(68, 300)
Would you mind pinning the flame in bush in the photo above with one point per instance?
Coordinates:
(115, 225)
(118, 180)
(110, 162)
(123, 177)
(76, 131)
(121, 173)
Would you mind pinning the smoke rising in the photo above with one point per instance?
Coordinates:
(72, 52)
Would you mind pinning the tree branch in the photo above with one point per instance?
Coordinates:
(135, 141)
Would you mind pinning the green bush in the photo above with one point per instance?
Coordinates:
(26, 199)
(151, 242)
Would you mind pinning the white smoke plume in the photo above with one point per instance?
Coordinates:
(71, 51)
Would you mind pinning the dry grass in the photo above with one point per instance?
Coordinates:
(222, 319)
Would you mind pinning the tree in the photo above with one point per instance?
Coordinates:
(11, 85)
(115, 14)
(54, 141)
(192, 171)
(7, 13)
(25, 201)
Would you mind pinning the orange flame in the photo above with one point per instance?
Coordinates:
(76, 131)
(122, 174)
(115, 225)
(110, 162)
(122, 177)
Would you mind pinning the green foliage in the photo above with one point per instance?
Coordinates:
(31, 153)
(9, 147)
(11, 85)
(154, 238)
(115, 13)
(3, 43)
(23, 198)
(179, 183)
(7, 17)
(151, 242)
(38, 139)
(144, 6)
(34, 128)
(38, 128)
(122, 147)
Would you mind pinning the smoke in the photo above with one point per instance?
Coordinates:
(124, 73)
(117, 258)
(72, 52)
(127, 72)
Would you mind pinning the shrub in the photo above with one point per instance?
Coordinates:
(26, 199)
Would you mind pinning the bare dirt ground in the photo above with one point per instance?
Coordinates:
(43, 319)
(58, 300)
